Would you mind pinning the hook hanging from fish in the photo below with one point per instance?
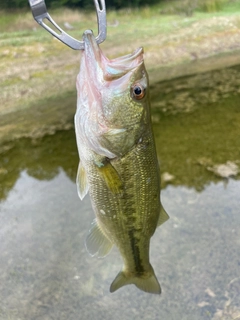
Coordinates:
(39, 11)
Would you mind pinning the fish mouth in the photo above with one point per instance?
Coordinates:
(91, 48)
(108, 69)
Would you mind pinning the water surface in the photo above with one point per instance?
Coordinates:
(45, 271)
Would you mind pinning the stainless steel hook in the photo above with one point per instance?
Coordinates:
(39, 11)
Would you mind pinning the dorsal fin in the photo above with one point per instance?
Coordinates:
(163, 216)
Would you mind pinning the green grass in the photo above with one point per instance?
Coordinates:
(6, 19)
(22, 19)
(27, 51)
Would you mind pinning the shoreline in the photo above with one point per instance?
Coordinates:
(37, 90)
(46, 116)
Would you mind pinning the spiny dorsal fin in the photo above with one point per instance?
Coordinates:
(110, 176)
(97, 243)
(163, 216)
(82, 185)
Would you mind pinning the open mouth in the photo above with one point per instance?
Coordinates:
(108, 69)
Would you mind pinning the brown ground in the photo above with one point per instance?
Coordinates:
(35, 66)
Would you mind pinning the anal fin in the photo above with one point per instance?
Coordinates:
(97, 244)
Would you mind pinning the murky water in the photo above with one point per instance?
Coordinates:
(45, 271)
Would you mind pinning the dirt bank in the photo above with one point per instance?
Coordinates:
(38, 73)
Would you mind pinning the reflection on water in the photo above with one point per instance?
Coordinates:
(41, 158)
(187, 144)
(45, 272)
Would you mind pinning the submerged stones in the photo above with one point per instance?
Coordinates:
(227, 170)
(223, 170)
(186, 94)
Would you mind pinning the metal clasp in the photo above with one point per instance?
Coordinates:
(39, 11)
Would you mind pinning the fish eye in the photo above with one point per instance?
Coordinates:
(138, 91)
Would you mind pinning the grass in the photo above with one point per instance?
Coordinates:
(34, 64)
(23, 20)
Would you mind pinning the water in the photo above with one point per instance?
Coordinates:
(45, 271)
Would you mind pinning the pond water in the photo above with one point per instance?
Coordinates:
(45, 271)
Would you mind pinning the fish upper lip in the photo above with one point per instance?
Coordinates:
(110, 68)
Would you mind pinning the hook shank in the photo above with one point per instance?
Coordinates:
(39, 11)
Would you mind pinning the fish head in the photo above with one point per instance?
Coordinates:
(113, 99)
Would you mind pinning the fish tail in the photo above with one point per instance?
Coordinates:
(147, 282)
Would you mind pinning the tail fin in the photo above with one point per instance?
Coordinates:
(146, 282)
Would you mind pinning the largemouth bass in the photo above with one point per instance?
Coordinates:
(118, 161)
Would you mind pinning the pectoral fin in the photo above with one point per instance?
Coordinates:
(111, 177)
(97, 243)
(82, 185)
(163, 216)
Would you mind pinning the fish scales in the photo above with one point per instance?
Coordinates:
(131, 205)
(129, 216)
(118, 161)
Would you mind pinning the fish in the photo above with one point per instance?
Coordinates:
(118, 161)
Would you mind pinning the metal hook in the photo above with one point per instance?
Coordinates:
(39, 11)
